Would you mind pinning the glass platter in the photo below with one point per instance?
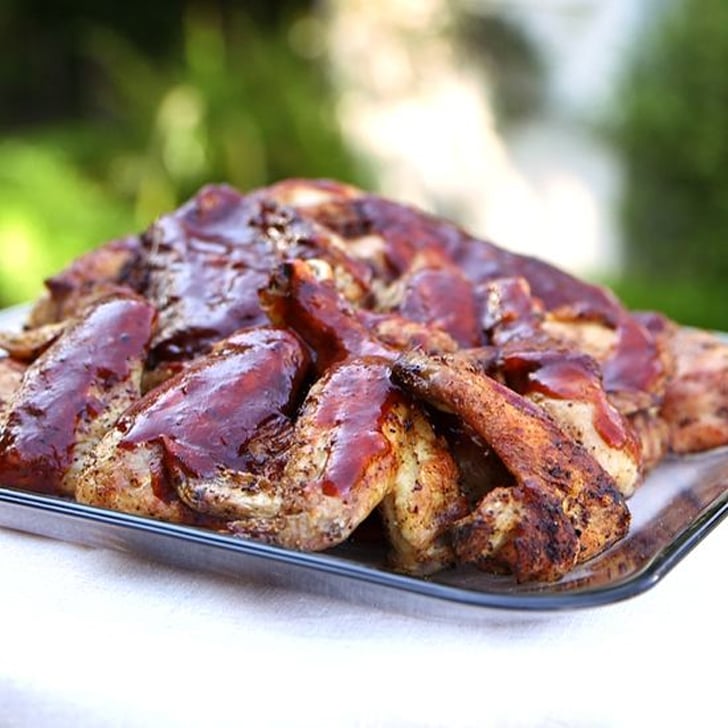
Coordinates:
(678, 505)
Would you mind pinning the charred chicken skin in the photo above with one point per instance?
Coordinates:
(282, 364)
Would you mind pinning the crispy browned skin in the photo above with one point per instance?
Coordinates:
(73, 393)
(564, 507)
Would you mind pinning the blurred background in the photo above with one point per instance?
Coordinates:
(589, 133)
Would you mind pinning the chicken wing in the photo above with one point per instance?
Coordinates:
(200, 422)
(563, 507)
(73, 393)
(356, 444)
(422, 494)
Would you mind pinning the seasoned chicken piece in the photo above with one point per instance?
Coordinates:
(544, 364)
(563, 508)
(425, 498)
(695, 407)
(568, 387)
(73, 393)
(424, 493)
(357, 443)
(221, 414)
(206, 262)
(89, 277)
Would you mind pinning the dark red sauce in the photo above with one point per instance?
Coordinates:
(355, 402)
(444, 298)
(205, 416)
(408, 232)
(572, 377)
(207, 262)
(37, 444)
(635, 363)
(316, 311)
(508, 310)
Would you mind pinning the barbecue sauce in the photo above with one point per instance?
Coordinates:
(407, 232)
(65, 386)
(205, 416)
(571, 377)
(355, 403)
(207, 262)
(443, 298)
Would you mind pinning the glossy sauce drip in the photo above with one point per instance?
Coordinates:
(205, 415)
(66, 385)
(355, 402)
(316, 311)
(207, 262)
(635, 363)
(567, 377)
(443, 297)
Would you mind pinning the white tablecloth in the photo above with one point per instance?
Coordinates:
(92, 637)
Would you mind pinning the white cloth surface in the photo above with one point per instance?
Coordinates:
(93, 637)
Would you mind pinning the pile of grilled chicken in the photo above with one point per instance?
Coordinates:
(283, 364)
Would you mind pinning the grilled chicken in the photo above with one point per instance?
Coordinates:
(421, 495)
(359, 443)
(73, 393)
(562, 506)
(220, 414)
(279, 364)
(695, 407)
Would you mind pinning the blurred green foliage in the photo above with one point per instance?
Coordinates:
(673, 132)
(222, 95)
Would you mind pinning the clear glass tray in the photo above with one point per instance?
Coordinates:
(678, 505)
